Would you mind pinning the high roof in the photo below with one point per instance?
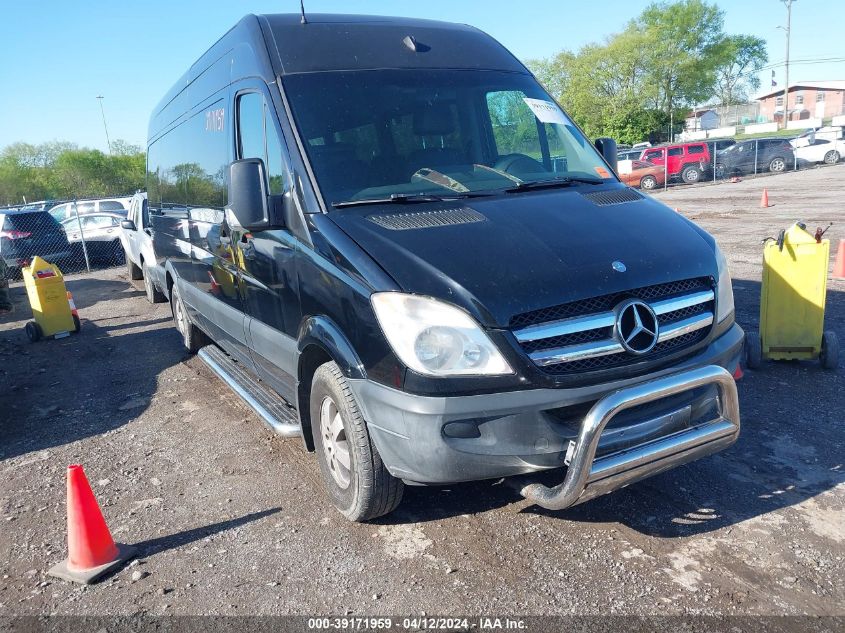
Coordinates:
(360, 42)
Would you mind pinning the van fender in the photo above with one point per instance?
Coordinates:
(320, 340)
(324, 333)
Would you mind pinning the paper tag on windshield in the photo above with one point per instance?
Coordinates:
(546, 111)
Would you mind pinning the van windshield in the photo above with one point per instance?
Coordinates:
(380, 133)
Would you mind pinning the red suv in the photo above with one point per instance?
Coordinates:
(687, 161)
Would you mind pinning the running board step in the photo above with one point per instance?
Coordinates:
(270, 407)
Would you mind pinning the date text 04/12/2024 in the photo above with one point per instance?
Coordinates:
(420, 623)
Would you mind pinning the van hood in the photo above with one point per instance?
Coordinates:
(500, 256)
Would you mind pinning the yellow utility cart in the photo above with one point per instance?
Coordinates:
(792, 301)
(48, 298)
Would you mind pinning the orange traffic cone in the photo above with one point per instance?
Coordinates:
(839, 265)
(764, 201)
(91, 550)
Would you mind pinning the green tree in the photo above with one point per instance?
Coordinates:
(63, 170)
(737, 76)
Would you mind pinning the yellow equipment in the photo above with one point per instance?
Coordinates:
(48, 298)
(792, 302)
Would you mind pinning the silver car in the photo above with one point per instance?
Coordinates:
(101, 234)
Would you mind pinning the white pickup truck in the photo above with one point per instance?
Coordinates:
(137, 241)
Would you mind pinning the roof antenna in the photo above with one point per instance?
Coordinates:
(302, 12)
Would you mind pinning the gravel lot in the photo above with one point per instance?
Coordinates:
(231, 519)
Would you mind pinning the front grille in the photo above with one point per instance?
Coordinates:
(608, 302)
(621, 360)
(579, 336)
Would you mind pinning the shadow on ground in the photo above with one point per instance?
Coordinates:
(55, 392)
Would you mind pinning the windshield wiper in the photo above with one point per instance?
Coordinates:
(554, 182)
(406, 198)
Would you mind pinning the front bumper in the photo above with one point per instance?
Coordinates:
(588, 477)
(436, 440)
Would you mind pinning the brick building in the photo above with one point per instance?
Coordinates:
(808, 99)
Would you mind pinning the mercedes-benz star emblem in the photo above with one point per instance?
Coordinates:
(619, 266)
(636, 326)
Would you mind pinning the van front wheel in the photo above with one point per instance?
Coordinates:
(355, 477)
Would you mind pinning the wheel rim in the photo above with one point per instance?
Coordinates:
(692, 175)
(148, 285)
(179, 315)
(648, 183)
(831, 157)
(777, 165)
(335, 444)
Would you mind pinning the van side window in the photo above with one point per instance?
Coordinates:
(257, 138)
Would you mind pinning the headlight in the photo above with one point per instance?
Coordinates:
(725, 291)
(435, 338)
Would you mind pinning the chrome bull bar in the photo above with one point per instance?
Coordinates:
(588, 477)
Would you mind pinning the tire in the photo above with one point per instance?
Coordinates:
(753, 351)
(33, 331)
(777, 165)
(691, 174)
(134, 271)
(647, 183)
(365, 489)
(832, 157)
(829, 356)
(154, 295)
(193, 338)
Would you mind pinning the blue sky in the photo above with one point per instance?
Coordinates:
(59, 55)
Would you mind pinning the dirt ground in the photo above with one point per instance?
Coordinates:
(231, 519)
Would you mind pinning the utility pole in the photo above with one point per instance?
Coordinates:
(105, 127)
(788, 4)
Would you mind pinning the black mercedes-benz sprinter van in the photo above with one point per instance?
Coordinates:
(386, 237)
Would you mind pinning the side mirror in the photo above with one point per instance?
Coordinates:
(607, 148)
(129, 225)
(248, 193)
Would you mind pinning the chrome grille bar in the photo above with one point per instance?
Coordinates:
(609, 346)
(679, 303)
(588, 322)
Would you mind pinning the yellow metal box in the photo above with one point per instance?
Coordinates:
(793, 296)
(45, 287)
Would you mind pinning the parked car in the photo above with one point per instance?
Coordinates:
(101, 232)
(633, 154)
(821, 151)
(136, 239)
(25, 234)
(754, 156)
(686, 161)
(826, 133)
(638, 173)
(107, 205)
(416, 292)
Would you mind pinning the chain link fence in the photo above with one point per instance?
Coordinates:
(77, 236)
(730, 159)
